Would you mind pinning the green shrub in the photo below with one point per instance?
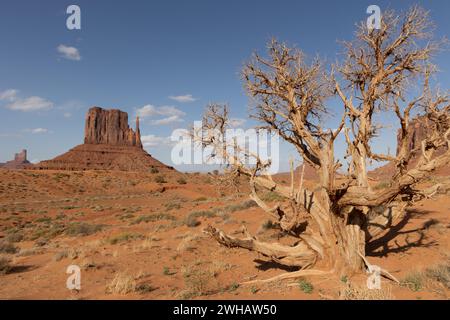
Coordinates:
(305, 286)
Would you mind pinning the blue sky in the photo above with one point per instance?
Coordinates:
(131, 54)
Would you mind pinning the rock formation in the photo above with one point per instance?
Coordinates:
(110, 127)
(417, 133)
(109, 144)
(20, 161)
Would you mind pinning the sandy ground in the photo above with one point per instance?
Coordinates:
(134, 238)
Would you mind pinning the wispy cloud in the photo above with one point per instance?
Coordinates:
(166, 121)
(39, 131)
(67, 115)
(169, 114)
(30, 104)
(70, 53)
(9, 95)
(184, 98)
(24, 104)
(237, 122)
(153, 141)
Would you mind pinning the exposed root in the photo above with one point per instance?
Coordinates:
(292, 275)
(300, 255)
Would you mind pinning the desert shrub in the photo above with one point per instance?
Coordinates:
(160, 179)
(201, 199)
(60, 255)
(191, 221)
(83, 229)
(124, 237)
(144, 288)
(305, 286)
(181, 180)
(353, 292)
(153, 218)
(154, 170)
(439, 273)
(14, 237)
(5, 265)
(414, 281)
(241, 206)
(121, 284)
(172, 205)
(48, 231)
(30, 252)
(7, 247)
(233, 287)
(198, 282)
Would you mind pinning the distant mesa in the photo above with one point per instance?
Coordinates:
(20, 161)
(109, 144)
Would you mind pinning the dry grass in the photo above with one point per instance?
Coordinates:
(122, 283)
(361, 292)
(5, 265)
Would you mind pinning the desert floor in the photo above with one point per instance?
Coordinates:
(135, 238)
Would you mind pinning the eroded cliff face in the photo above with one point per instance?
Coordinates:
(110, 127)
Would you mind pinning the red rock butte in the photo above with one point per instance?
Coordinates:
(109, 144)
(20, 161)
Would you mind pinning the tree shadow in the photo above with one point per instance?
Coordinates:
(264, 265)
(381, 247)
(21, 269)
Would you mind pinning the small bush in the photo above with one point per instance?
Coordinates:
(144, 288)
(181, 180)
(305, 286)
(14, 237)
(124, 237)
(83, 229)
(242, 206)
(7, 247)
(440, 273)
(191, 221)
(5, 265)
(160, 179)
(153, 218)
(154, 170)
(353, 292)
(413, 281)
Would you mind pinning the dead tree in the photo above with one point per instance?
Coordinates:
(290, 96)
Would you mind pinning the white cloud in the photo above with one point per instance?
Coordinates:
(170, 114)
(237, 122)
(67, 115)
(166, 121)
(70, 53)
(152, 140)
(30, 104)
(39, 130)
(183, 98)
(9, 95)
